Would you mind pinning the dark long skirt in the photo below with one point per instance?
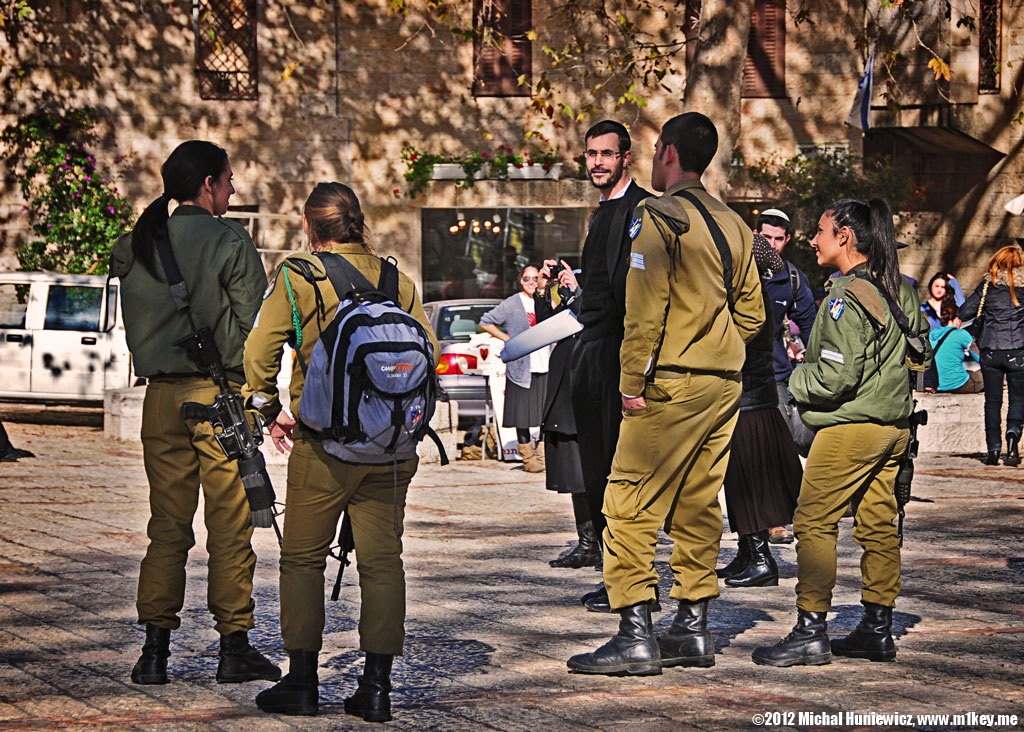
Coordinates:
(524, 408)
(762, 482)
(562, 458)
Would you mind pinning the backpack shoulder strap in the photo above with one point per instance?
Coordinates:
(720, 244)
(388, 282)
(344, 275)
(794, 278)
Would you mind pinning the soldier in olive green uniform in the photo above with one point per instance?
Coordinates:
(681, 357)
(225, 277)
(853, 389)
(299, 304)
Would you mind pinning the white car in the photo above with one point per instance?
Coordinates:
(61, 337)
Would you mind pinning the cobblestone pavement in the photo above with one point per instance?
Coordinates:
(490, 624)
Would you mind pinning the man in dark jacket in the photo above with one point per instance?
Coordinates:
(789, 292)
(595, 365)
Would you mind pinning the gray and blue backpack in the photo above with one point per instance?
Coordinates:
(370, 386)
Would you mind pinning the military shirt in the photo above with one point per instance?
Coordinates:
(677, 315)
(225, 277)
(302, 280)
(855, 368)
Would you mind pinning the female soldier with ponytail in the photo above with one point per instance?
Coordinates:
(300, 303)
(225, 278)
(853, 388)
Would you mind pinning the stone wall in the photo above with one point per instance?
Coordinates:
(342, 86)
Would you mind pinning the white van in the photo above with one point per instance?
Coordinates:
(61, 337)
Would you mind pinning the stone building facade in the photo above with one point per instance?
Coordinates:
(335, 90)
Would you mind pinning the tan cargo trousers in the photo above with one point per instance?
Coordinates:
(180, 457)
(320, 487)
(670, 462)
(859, 462)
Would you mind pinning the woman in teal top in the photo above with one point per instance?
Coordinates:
(950, 347)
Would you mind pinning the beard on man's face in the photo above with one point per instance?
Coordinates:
(604, 177)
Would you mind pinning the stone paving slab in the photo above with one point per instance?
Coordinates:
(490, 624)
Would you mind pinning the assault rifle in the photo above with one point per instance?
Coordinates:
(905, 476)
(239, 438)
(346, 543)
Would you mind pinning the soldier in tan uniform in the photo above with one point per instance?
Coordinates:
(681, 360)
(299, 304)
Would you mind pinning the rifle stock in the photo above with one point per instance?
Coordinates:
(346, 543)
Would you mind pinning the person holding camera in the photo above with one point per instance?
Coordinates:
(225, 278)
(526, 378)
(853, 389)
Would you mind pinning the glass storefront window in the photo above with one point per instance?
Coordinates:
(479, 252)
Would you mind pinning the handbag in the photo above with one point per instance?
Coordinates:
(976, 326)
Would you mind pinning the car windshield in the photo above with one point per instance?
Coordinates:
(459, 322)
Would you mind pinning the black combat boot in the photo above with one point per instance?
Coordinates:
(596, 601)
(872, 638)
(688, 642)
(151, 668)
(1012, 455)
(762, 570)
(739, 563)
(372, 699)
(992, 457)
(806, 645)
(241, 662)
(297, 693)
(587, 553)
(631, 652)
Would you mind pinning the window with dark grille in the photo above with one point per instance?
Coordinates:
(501, 47)
(226, 48)
(764, 72)
(989, 31)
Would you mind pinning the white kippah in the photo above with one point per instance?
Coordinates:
(775, 212)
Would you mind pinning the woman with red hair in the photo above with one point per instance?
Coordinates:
(1002, 349)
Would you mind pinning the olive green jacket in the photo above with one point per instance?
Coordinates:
(677, 317)
(225, 278)
(300, 294)
(855, 368)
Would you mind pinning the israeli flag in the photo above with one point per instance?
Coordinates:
(862, 101)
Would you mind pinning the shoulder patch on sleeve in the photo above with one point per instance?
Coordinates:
(634, 227)
(270, 287)
(836, 308)
(636, 261)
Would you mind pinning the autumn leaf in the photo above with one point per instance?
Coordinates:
(941, 69)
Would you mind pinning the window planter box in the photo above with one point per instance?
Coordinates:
(534, 172)
(452, 171)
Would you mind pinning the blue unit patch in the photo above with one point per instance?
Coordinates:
(270, 288)
(634, 227)
(836, 308)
